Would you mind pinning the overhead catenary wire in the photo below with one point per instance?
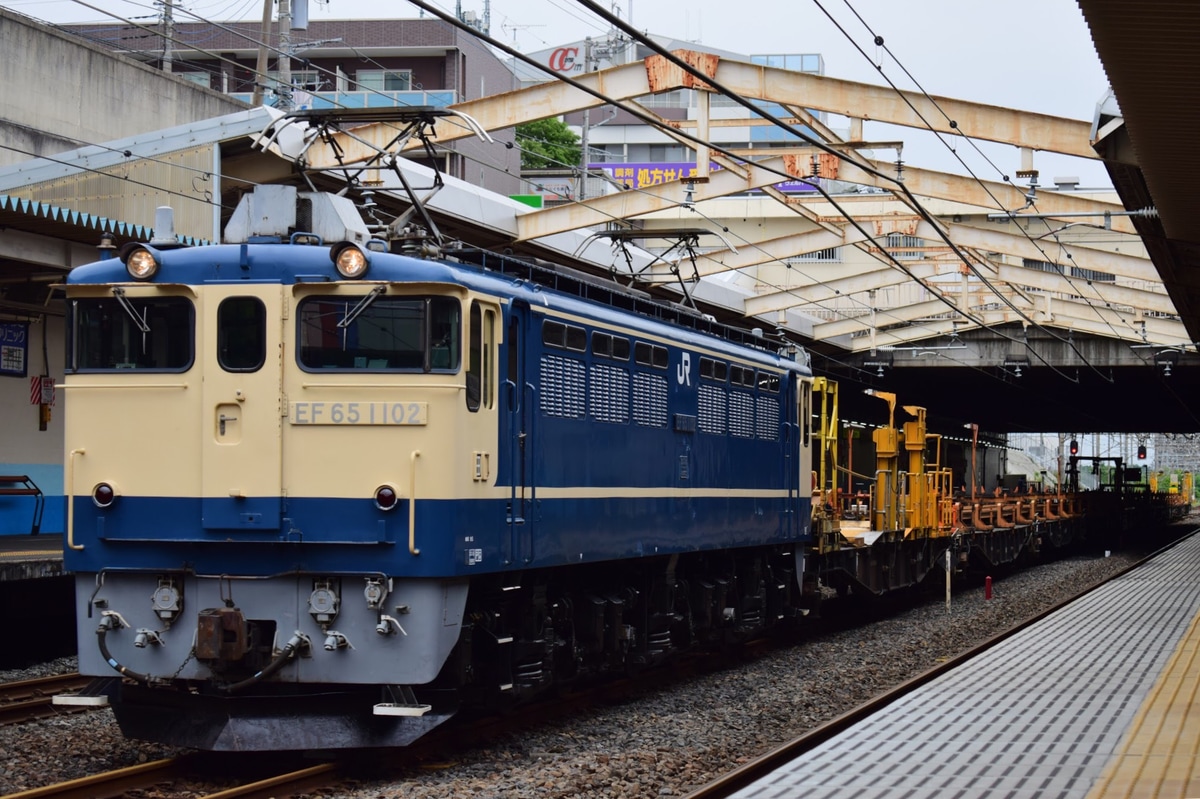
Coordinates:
(650, 234)
(746, 242)
(647, 118)
(866, 167)
(1062, 270)
(466, 156)
(636, 111)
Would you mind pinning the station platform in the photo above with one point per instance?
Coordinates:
(27, 557)
(32, 582)
(1101, 699)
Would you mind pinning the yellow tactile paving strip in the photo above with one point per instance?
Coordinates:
(31, 553)
(1159, 758)
(27, 547)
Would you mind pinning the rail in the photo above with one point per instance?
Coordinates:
(30, 699)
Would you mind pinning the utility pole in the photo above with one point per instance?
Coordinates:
(588, 66)
(168, 57)
(284, 90)
(260, 68)
(609, 49)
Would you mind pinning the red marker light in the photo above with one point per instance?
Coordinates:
(385, 498)
(103, 495)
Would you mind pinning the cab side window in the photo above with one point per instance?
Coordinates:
(481, 358)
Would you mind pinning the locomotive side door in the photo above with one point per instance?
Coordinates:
(240, 430)
(518, 409)
(790, 430)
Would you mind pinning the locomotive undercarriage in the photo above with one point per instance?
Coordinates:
(522, 635)
(526, 634)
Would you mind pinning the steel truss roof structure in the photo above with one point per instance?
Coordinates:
(1129, 301)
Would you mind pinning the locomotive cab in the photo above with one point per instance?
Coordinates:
(262, 432)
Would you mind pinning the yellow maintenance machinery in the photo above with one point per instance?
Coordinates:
(909, 519)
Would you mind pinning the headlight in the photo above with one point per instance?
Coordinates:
(141, 262)
(350, 261)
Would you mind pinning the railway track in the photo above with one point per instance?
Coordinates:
(759, 767)
(162, 775)
(32, 699)
(192, 772)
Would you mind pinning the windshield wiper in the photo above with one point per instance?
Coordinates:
(363, 304)
(140, 321)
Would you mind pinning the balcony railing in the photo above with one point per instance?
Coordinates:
(303, 99)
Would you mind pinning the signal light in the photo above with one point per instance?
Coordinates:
(1074, 447)
(1141, 452)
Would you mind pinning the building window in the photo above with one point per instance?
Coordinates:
(667, 153)
(309, 80)
(832, 255)
(198, 78)
(904, 247)
(384, 80)
(1076, 271)
(797, 62)
(305, 80)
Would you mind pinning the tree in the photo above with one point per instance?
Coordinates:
(547, 144)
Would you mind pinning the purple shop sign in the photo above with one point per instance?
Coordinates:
(652, 173)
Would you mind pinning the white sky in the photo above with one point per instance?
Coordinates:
(1034, 55)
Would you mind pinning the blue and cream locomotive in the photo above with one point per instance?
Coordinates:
(310, 480)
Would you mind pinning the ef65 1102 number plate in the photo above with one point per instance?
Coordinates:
(389, 413)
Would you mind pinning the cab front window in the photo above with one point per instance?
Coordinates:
(374, 332)
(153, 334)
